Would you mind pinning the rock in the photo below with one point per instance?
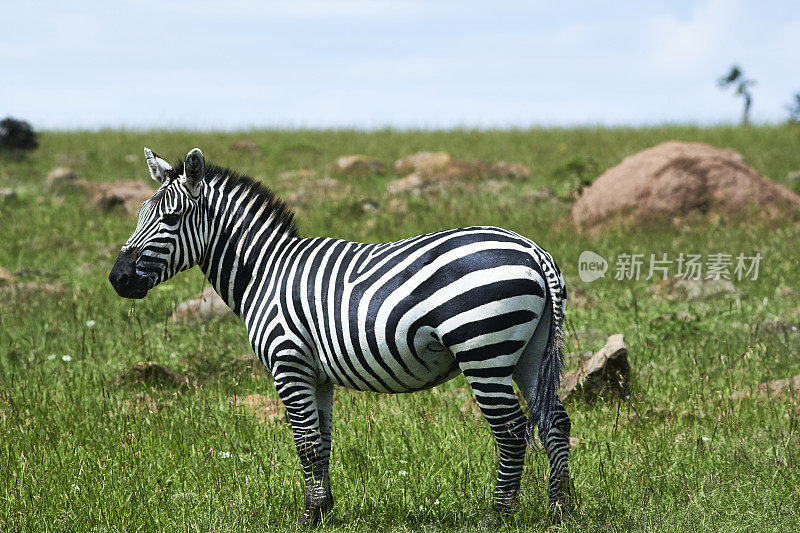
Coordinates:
(676, 287)
(327, 183)
(785, 292)
(398, 205)
(370, 206)
(427, 161)
(607, 370)
(25, 290)
(301, 174)
(154, 375)
(432, 171)
(495, 186)
(358, 165)
(263, 407)
(323, 189)
(411, 183)
(456, 169)
(296, 200)
(793, 314)
(681, 316)
(206, 306)
(6, 277)
(675, 180)
(126, 195)
(505, 169)
(244, 145)
(771, 389)
(460, 170)
(62, 177)
(543, 193)
(8, 195)
(779, 326)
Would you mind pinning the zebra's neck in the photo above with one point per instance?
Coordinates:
(245, 222)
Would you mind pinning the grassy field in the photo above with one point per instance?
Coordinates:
(78, 452)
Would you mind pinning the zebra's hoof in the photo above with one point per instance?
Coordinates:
(312, 515)
(558, 511)
(495, 515)
(310, 518)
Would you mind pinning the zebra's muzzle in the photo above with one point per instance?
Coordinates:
(123, 276)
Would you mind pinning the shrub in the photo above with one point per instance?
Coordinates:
(17, 135)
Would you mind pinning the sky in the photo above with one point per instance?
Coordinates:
(402, 63)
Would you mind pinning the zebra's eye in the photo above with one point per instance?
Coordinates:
(171, 219)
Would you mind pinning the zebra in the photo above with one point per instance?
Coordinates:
(393, 317)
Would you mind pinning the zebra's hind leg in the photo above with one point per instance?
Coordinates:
(556, 443)
(309, 409)
(502, 410)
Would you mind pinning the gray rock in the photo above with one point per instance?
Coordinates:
(359, 165)
(154, 375)
(7, 195)
(771, 389)
(606, 370)
(126, 195)
(422, 161)
(205, 306)
(244, 145)
(63, 177)
(677, 287)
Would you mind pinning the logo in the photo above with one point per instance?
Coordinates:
(591, 266)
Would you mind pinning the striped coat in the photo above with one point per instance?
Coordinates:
(391, 317)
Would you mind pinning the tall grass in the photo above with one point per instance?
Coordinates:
(78, 452)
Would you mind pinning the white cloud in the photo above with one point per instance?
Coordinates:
(784, 46)
(296, 9)
(392, 62)
(689, 47)
(395, 69)
(569, 35)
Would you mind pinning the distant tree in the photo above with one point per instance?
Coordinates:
(735, 78)
(17, 135)
(794, 109)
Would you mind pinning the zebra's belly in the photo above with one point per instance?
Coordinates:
(406, 370)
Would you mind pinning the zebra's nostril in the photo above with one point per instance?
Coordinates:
(122, 279)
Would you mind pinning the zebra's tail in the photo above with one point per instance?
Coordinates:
(544, 394)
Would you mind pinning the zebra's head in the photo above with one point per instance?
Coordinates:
(171, 231)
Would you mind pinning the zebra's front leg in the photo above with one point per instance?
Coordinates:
(556, 443)
(319, 499)
(309, 409)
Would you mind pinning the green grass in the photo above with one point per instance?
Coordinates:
(79, 453)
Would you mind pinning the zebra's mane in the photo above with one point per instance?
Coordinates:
(226, 180)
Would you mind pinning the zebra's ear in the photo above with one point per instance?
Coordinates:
(157, 166)
(194, 168)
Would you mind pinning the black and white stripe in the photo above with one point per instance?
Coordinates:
(392, 317)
